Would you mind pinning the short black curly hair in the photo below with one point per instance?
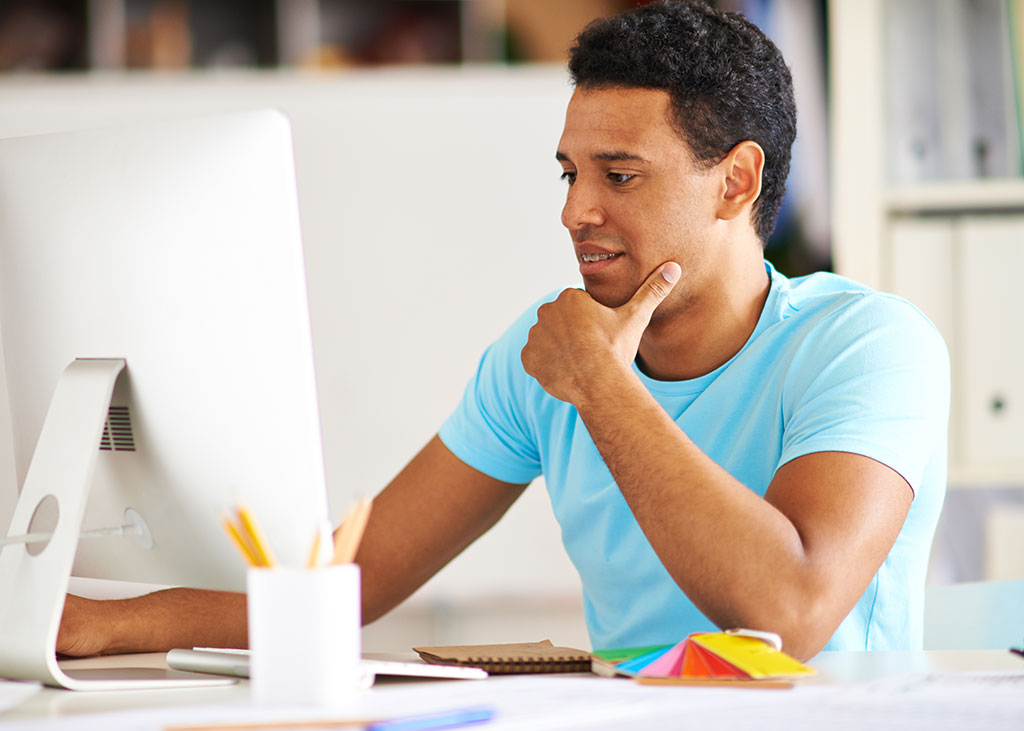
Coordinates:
(727, 83)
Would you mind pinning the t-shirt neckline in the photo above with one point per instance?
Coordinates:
(698, 384)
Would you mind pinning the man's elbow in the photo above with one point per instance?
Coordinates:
(804, 644)
(805, 623)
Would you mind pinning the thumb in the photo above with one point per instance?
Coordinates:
(652, 292)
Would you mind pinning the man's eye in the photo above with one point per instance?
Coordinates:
(620, 178)
(568, 177)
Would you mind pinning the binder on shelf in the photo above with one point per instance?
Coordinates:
(993, 144)
(950, 90)
(1015, 13)
(912, 111)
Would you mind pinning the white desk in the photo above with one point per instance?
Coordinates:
(861, 690)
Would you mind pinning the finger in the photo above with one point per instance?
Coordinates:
(653, 292)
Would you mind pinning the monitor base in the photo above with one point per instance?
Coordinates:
(138, 678)
(34, 576)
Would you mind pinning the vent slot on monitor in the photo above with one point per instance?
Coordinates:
(117, 431)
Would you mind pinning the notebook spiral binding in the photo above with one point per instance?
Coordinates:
(510, 665)
(514, 658)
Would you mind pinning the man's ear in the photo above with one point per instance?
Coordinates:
(741, 179)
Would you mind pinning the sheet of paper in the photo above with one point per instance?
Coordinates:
(521, 703)
(990, 701)
(925, 702)
(966, 682)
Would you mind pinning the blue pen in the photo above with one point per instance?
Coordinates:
(434, 721)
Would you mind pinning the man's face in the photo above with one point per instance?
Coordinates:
(636, 198)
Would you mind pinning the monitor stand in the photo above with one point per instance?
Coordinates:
(34, 576)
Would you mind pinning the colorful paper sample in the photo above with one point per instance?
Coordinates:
(712, 657)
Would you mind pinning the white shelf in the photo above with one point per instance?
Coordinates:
(980, 476)
(944, 244)
(1006, 194)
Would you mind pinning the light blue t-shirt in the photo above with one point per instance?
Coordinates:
(830, 366)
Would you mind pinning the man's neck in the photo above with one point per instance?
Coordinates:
(708, 331)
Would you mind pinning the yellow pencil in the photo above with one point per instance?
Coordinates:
(350, 534)
(341, 534)
(260, 548)
(238, 540)
(314, 552)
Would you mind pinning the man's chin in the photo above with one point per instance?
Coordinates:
(606, 295)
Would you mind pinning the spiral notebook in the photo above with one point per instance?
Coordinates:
(519, 657)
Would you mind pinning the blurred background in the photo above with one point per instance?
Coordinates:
(906, 175)
(74, 36)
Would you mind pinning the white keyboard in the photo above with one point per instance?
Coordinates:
(224, 661)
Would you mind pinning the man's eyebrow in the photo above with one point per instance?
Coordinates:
(609, 156)
(618, 156)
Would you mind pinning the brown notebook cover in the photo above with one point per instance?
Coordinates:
(519, 657)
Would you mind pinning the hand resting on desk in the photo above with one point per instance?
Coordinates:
(154, 622)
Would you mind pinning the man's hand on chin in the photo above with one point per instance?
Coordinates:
(578, 341)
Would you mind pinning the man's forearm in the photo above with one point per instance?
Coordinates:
(155, 622)
(728, 549)
(793, 562)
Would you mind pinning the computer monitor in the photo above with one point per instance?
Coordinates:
(157, 348)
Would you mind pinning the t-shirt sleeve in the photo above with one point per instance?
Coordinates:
(873, 379)
(491, 429)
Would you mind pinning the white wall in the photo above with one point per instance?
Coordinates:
(430, 206)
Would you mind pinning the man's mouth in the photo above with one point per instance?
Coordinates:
(597, 257)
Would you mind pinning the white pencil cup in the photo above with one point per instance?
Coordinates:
(304, 635)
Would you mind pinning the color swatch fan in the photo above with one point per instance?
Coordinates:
(713, 657)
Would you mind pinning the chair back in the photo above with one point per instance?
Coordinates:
(982, 615)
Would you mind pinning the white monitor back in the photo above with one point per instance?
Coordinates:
(177, 247)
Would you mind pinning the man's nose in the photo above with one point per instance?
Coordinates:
(582, 207)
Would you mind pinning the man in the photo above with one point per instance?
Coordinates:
(723, 446)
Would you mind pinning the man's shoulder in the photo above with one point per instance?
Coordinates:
(827, 298)
(824, 317)
(825, 290)
(518, 330)
(502, 358)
